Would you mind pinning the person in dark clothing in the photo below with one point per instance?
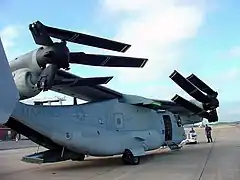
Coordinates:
(208, 132)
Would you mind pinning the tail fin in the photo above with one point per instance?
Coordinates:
(8, 93)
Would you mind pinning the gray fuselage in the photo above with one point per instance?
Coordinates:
(112, 128)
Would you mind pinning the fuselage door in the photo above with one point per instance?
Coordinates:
(168, 127)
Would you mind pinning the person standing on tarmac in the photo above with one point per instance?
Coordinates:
(208, 132)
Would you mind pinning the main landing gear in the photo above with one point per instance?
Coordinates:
(129, 159)
(80, 157)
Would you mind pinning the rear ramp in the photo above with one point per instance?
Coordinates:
(50, 156)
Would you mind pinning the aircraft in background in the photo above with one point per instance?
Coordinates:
(49, 101)
(110, 123)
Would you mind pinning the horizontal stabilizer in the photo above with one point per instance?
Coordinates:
(189, 87)
(83, 81)
(9, 94)
(106, 60)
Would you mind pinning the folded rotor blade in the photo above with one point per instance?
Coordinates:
(201, 85)
(106, 60)
(189, 87)
(88, 40)
(83, 81)
(213, 116)
(190, 106)
(40, 34)
(47, 76)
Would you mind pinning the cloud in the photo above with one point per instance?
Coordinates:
(229, 111)
(8, 35)
(227, 75)
(234, 52)
(156, 29)
(226, 83)
(231, 74)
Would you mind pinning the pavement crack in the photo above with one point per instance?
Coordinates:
(208, 156)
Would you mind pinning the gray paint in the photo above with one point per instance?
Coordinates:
(140, 128)
(9, 93)
(26, 72)
(99, 128)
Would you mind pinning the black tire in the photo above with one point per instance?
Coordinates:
(136, 160)
(79, 158)
(129, 159)
(124, 159)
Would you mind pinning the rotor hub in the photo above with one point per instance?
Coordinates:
(57, 54)
(53, 56)
(213, 104)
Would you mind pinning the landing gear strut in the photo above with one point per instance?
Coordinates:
(128, 158)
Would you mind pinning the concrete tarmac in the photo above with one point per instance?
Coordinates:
(204, 161)
(6, 145)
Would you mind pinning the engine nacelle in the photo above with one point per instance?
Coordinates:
(25, 81)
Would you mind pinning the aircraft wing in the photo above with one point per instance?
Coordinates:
(99, 92)
(191, 110)
(86, 93)
(155, 104)
(204, 104)
(172, 106)
(187, 116)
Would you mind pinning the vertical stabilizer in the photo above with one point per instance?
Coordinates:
(8, 92)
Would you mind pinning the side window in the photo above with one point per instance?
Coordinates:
(178, 119)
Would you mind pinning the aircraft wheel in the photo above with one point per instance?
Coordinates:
(79, 158)
(136, 160)
(128, 158)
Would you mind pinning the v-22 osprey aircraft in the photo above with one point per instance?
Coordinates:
(110, 123)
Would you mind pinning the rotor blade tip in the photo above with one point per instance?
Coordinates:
(144, 63)
(125, 48)
(109, 79)
(191, 75)
(175, 97)
(173, 73)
